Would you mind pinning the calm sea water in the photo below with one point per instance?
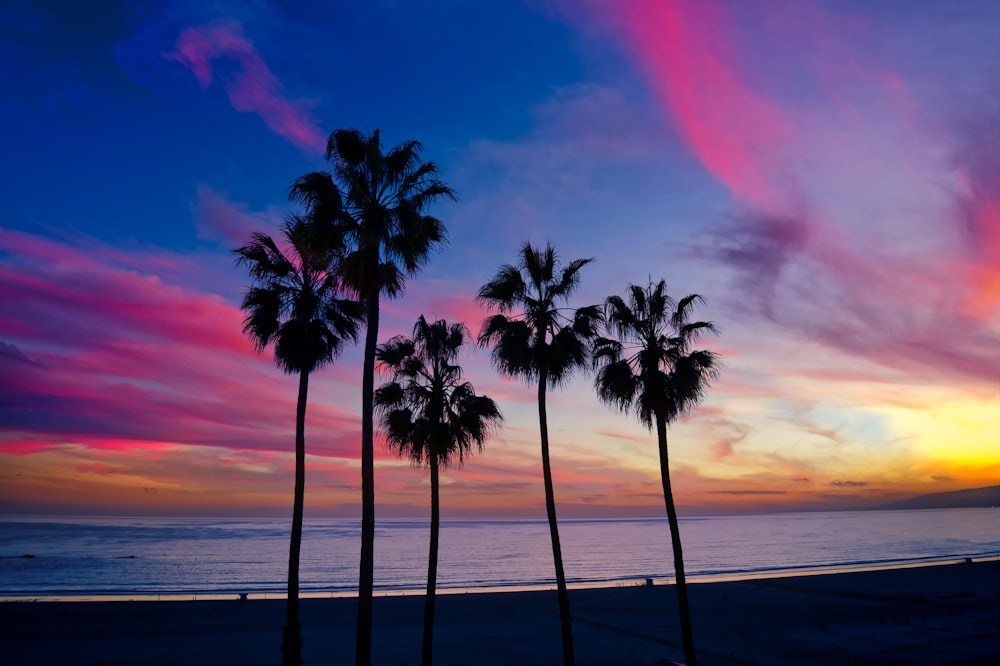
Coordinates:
(152, 556)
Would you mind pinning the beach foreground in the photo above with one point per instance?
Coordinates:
(947, 614)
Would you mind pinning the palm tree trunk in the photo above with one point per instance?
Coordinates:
(550, 508)
(291, 644)
(366, 577)
(675, 539)
(432, 562)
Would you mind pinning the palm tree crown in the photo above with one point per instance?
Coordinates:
(651, 367)
(427, 411)
(378, 203)
(293, 302)
(540, 338)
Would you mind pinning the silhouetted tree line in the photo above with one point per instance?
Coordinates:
(364, 231)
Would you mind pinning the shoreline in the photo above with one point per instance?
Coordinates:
(722, 577)
(921, 615)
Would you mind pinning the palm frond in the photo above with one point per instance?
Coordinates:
(390, 355)
(319, 194)
(263, 308)
(417, 236)
(347, 146)
(567, 352)
(569, 280)
(401, 163)
(504, 291)
(684, 308)
(388, 397)
(617, 385)
(389, 278)
(605, 350)
(511, 340)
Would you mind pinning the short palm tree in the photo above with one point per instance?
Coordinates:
(537, 340)
(648, 367)
(377, 202)
(294, 305)
(431, 415)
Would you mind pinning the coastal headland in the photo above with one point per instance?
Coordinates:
(932, 615)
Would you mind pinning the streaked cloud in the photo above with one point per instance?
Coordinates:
(848, 484)
(251, 85)
(221, 219)
(838, 206)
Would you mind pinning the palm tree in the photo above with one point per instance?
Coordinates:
(293, 305)
(536, 340)
(376, 202)
(431, 415)
(650, 369)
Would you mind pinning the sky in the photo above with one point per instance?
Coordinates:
(826, 175)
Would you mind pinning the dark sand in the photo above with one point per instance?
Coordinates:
(937, 615)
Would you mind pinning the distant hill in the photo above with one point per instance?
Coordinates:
(958, 499)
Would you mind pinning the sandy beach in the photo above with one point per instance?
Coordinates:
(938, 615)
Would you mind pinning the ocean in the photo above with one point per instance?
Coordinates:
(43, 557)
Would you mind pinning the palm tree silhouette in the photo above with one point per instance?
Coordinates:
(293, 305)
(430, 414)
(534, 339)
(376, 202)
(649, 368)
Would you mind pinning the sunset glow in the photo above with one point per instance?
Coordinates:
(825, 174)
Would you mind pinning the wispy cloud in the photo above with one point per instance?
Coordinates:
(855, 221)
(733, 130)
(251, 85)
(587, 147)
(220, 218)
(11, 352)
(849, 484)
(976, 161)
(121, 356)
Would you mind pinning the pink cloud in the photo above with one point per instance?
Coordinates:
(24, 446)
(99, 354)
(977, 201)
(871, 304)
(252, 87)
(102, 469)
(61, 285)
(733, 130)
(232, 222)
(725, 435)
(845, 231)
(435, 299)
(627, 436)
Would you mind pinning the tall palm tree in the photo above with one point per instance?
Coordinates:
(649, 368)
(537, 340)
(377, 203)
(431, 415)
(293, 304)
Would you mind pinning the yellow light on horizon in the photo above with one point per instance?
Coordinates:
(962, 434)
